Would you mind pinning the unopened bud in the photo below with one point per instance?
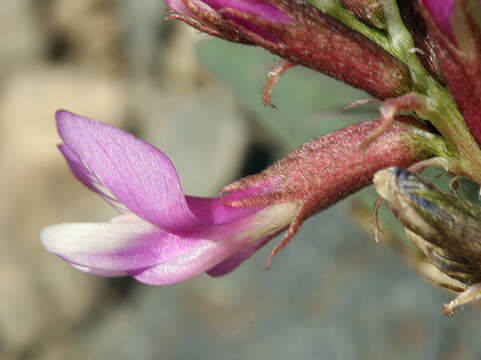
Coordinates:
(445, 227)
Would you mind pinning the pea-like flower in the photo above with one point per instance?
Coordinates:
(164, 236)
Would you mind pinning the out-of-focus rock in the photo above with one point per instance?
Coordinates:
(91, 29)
(22, 40)
(144, 25)
(202, 133)
(42, 295)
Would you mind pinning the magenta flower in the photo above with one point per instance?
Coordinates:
(164, 237)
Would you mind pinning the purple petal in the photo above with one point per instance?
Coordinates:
(89, 179)
(130, 245)
(194, 258)
(263, 10)
(97, 272)
(124, 246)
(193, 234)
(204, 254)
(123, 169)
(179, 7)
(260, 9)
(113, 247)
(134, 172)
(233, 262)
(214, 212)
(441, 12)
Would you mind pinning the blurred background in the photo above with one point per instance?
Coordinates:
(332, 293)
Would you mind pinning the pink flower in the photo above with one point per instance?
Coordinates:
(164, 237)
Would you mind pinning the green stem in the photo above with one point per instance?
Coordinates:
(454, 130)
(402, 44)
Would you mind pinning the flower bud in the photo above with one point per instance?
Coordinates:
(445, 227)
